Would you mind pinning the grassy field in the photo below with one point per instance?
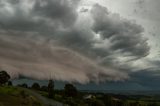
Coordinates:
(13, 96)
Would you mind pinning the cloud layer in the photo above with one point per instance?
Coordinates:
(52, 39)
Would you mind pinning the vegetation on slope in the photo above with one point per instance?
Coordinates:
(13, 96)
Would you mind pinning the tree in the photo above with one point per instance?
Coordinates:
(44, 88)
(4, 77)
(70, 90)
(24, 85)
(9, 83)
(36, 86)
(50, 88)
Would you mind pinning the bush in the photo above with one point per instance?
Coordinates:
(24, 85)
(70, 90)
(9, 83)
(36, 86)
(44, 88)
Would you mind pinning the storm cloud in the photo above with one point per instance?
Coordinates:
(124, 36)
(51, 39)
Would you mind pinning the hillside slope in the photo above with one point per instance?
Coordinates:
(13, 96)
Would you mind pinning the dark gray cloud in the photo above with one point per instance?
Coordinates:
(124, 35)
(16, 19)
(61, 12)
(48, 39)
(42, 16)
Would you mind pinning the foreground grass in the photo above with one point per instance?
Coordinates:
(13, 96)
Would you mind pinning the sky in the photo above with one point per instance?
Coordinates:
(112, 43)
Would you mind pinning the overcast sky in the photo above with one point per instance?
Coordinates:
(82, 41)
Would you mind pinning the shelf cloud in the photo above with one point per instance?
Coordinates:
(51, 39)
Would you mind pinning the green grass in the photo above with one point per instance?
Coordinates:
(9, 90)
(13, 96)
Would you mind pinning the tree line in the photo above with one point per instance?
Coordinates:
(69, 89)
